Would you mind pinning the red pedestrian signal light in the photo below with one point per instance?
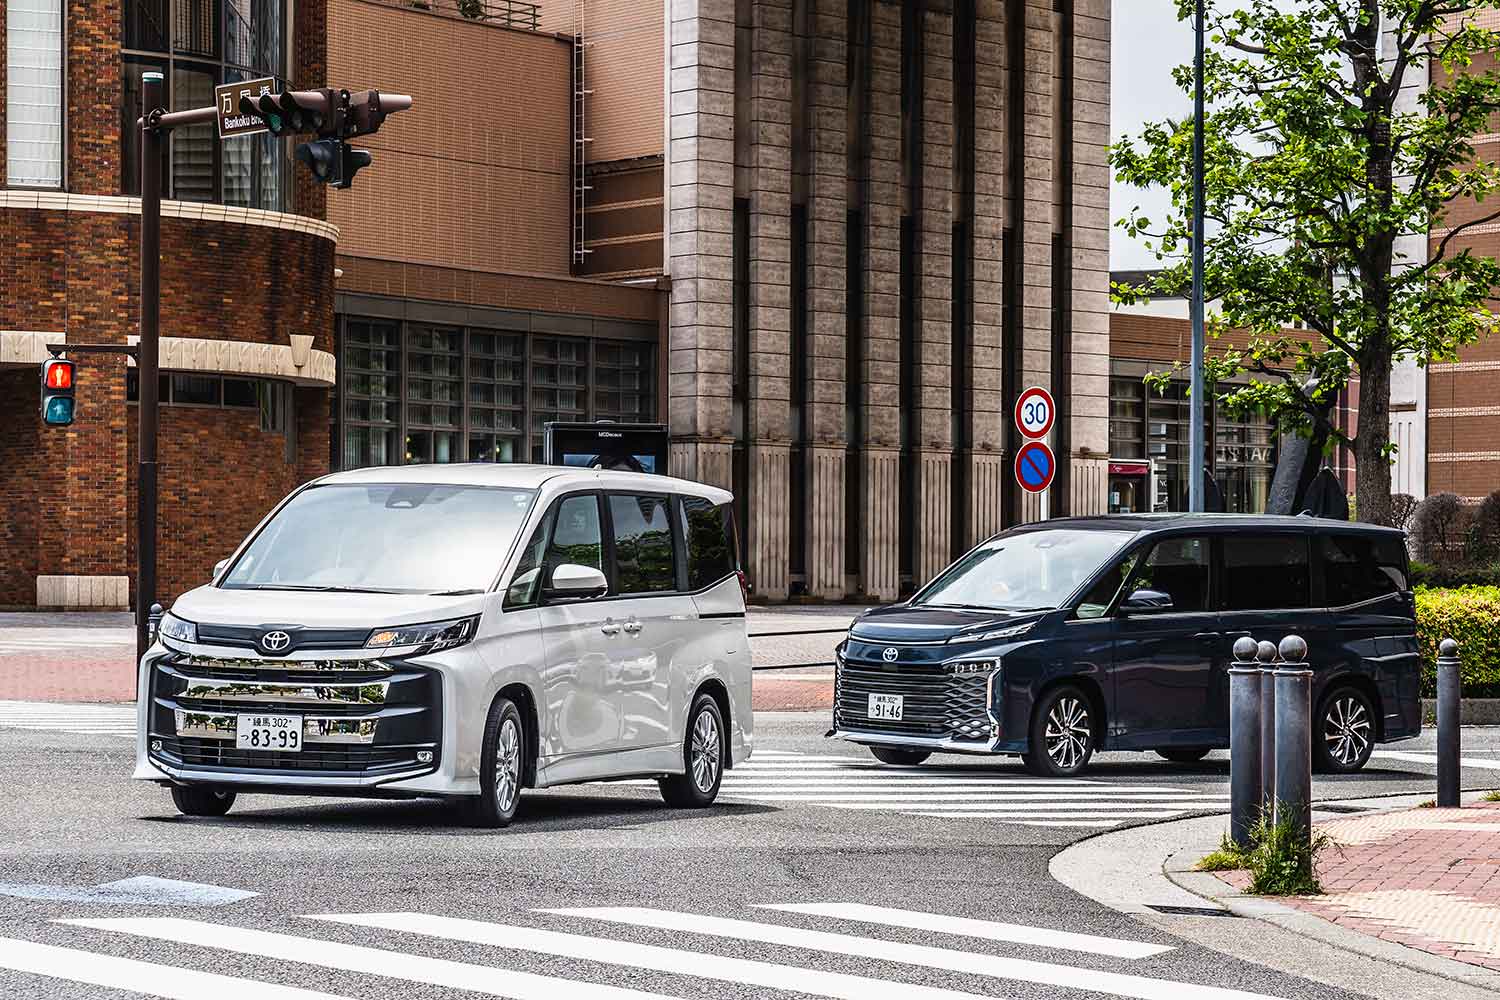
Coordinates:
(57, 392)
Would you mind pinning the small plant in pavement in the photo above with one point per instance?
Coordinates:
(1228, 857)
(1282, 858)
(1492, 796)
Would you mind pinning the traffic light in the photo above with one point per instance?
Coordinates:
(57, 392)
(335, 115)
(333, 161)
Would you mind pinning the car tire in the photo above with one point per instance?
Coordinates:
(201, 800)
(1343, 731)
(704, 746)
(899, 757)
(502, 767)
(1182, 755)
(1063, 734)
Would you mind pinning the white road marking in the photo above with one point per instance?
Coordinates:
(358, 958)
(85, 720)
(141, 977)
(1431, 759)
(743, 971)
(988, 930)
(1018, 969)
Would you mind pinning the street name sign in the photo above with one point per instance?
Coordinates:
(232, 121)
(1035, 466)
(1035, 412)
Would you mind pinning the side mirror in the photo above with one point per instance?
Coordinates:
(573, 582)
(219, 568)
(1146, 602)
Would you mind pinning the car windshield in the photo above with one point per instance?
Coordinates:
(398, 539)
(1026, 571)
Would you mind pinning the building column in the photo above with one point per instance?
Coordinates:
(934, 307)
(770, 190)
(700, 238)
(1089, 392)
(1036, 146)
(879, 453)
(987, 466)
(827, 211)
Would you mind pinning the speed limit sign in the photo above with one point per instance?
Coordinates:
(1035, 412)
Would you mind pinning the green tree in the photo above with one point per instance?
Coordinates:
(1321, 151)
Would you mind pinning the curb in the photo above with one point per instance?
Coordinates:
(1473, 711)
(1136, 871)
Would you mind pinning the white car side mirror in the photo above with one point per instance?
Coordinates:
(573, 581)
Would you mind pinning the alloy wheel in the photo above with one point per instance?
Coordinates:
(507, 765)
(705, 751)
(1068, 734)
(1346, 729)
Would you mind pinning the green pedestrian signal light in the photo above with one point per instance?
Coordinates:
(57, 392)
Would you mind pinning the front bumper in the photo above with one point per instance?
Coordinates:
(950, 702)
(365, 721)
(936, 745)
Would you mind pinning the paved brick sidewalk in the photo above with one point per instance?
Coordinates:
(1425, 878)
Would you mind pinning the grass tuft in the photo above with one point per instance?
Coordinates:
(1429, 804)
(1228, 857)
(1493, 796)
(1283, 861)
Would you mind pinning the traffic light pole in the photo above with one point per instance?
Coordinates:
(147, 359)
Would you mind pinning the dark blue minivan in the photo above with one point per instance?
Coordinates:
(1057, 639)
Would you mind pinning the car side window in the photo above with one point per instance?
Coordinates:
(576, 538)
(1266, 571)
(1102, 594)
(526, 585)
(1177, 567)
(1359, 568)
(708, 530)
(645, 562)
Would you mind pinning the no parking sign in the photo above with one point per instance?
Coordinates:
(1035, 466)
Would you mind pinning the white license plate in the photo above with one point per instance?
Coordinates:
(885, 706)
(276, 733)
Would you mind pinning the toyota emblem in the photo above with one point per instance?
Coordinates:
(275, 642)
(890, 654)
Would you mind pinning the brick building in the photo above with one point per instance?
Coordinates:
(247, 281)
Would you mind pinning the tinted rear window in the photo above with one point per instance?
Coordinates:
(1362, 567)
(644, 561)
(709, 530)
(1266, 571)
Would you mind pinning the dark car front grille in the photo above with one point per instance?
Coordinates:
(937, 703)
(361, 718)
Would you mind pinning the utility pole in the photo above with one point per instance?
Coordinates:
(1195, 426)
(147, 358)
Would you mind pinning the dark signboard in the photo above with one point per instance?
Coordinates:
(605, 445)
(227, 96)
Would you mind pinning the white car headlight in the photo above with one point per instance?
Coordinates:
(430, 636)
(172, 627)
(1011, 632)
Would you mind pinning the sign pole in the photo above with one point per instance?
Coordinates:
(1196, 445)
(146, 359)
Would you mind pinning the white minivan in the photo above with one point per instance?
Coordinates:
(463, 631)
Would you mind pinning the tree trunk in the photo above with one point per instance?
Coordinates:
(1372, 469)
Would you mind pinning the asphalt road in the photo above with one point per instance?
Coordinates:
(785, 834)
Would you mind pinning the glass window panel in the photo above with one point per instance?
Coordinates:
(644, 558)
(199, 390)
(1178, 567)
(195, 28)
(34, 92)
(526, 584)
(709, 532)
(145, 24)
(193, 147)
(576, 538)
(239, 392)
(1266, 571)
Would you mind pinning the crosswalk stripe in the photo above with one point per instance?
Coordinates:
(1070, 824)
(1113, 791)
(988, 930)
(1020, 969)
(743, 971)
(1032, 800)
(484, 979)
(1082, 811)
(141, 977)
(1431, 758)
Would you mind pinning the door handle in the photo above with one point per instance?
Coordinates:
(633, 627)
(610, 628)
(1208, 636)
(1237, 635)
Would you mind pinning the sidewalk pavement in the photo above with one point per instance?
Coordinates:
(90, 657)
(1412, 910)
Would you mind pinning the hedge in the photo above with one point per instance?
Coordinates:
(1429, 575)
(1470, 615)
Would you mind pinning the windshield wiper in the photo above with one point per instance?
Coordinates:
(320, 589)
(456, 593)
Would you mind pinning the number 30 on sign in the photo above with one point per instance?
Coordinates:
(1035, 412)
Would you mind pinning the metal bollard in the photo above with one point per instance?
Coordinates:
(1294, 736)
(1246, 796)
(1265, 652)
(1449, 687)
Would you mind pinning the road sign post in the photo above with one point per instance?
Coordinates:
(1035, 466)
